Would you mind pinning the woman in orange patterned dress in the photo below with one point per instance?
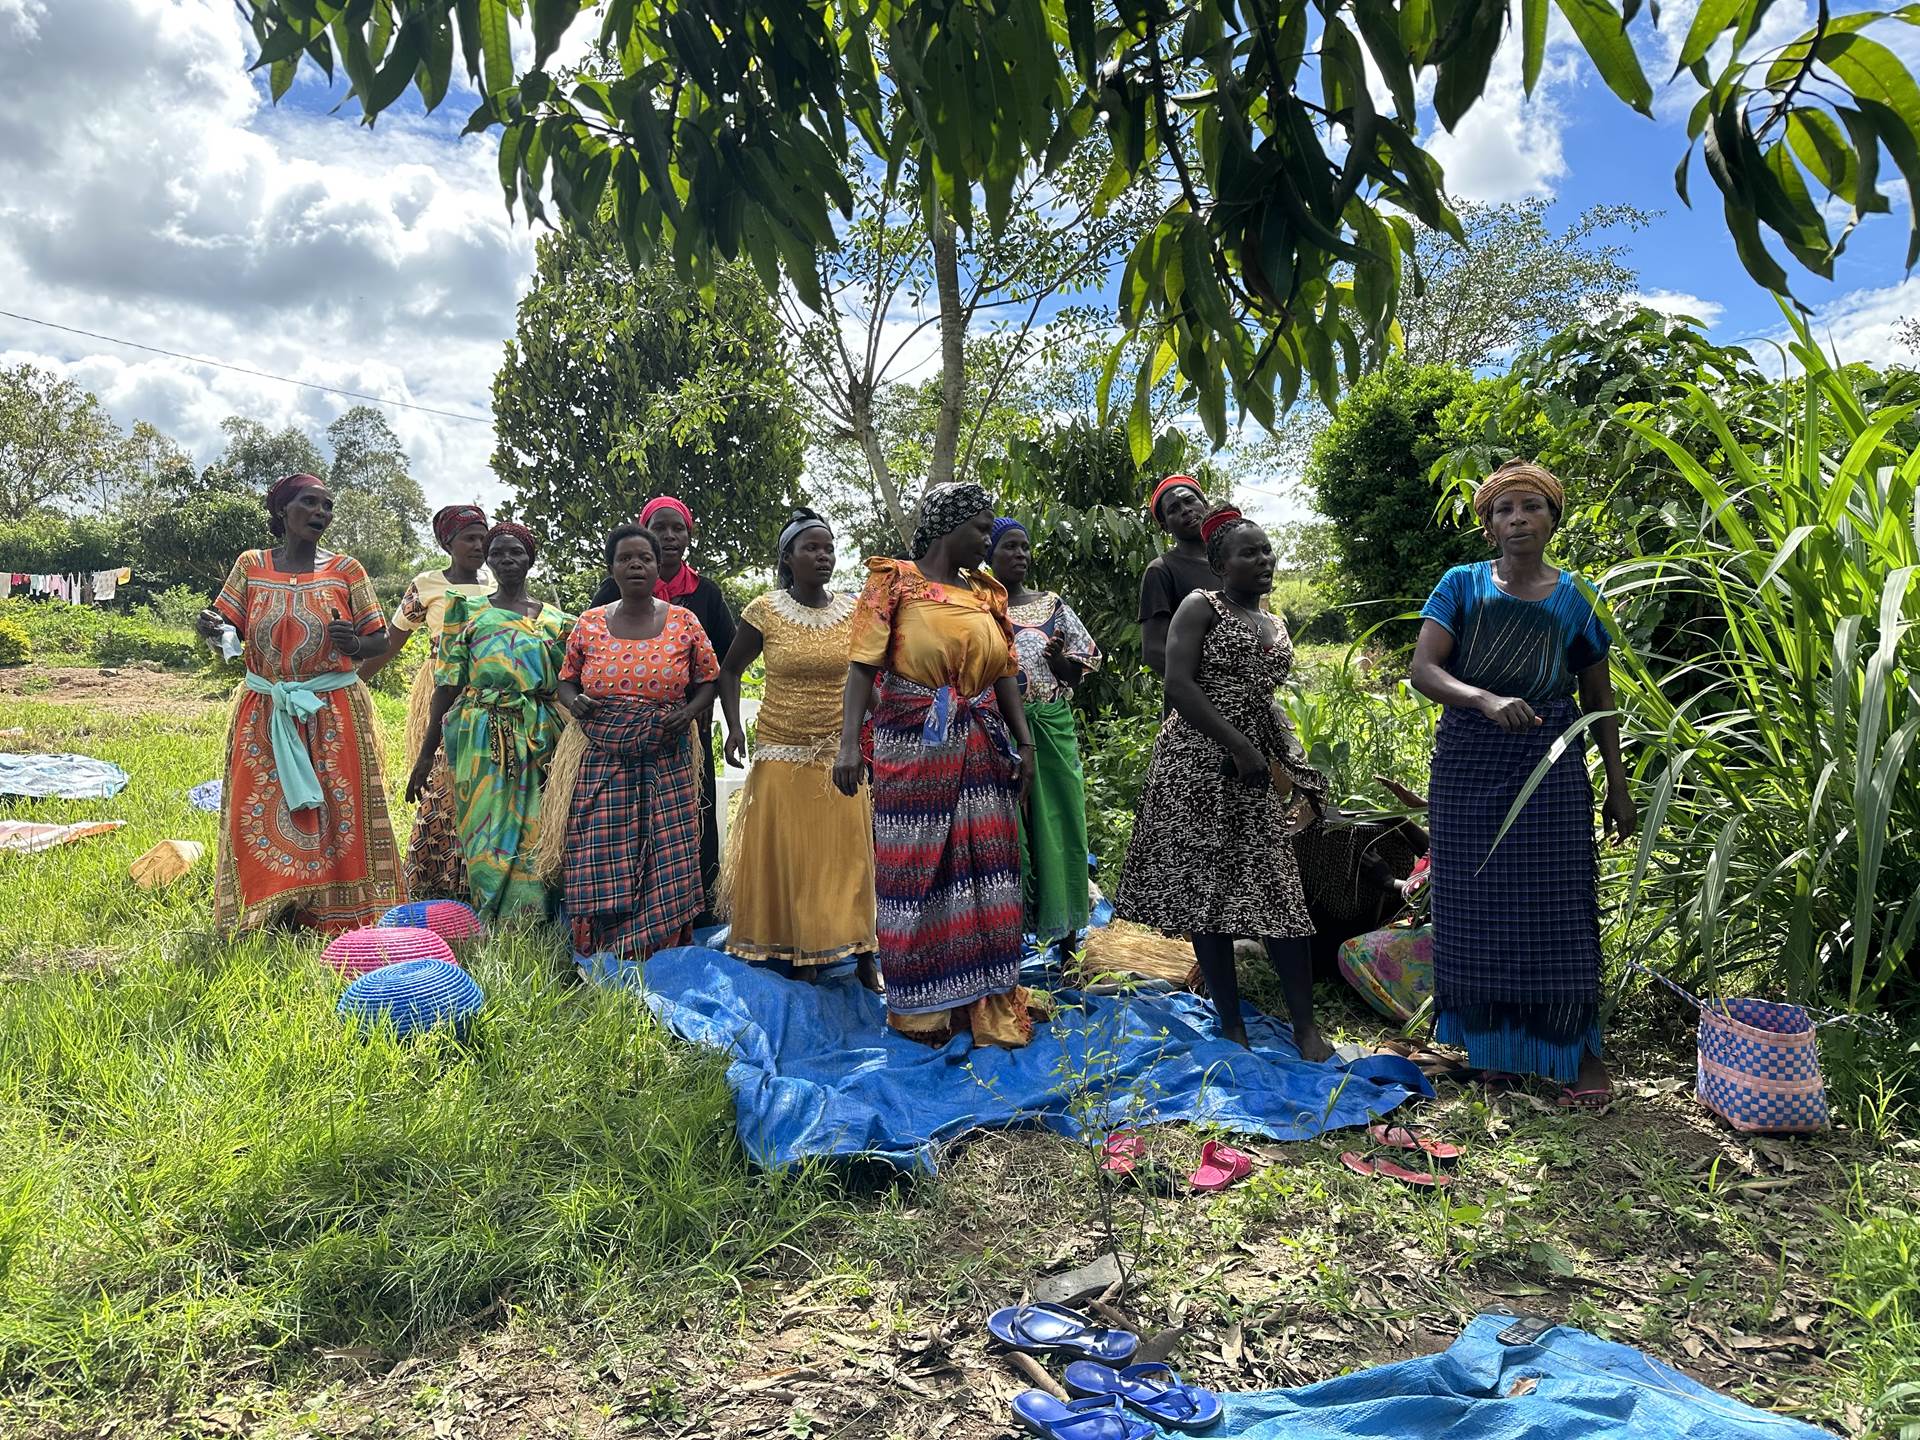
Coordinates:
(304, 832)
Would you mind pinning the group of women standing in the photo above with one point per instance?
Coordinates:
(916, 803)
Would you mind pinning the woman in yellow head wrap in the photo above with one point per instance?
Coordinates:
(1514, 651)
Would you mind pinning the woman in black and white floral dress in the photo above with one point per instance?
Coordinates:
(1212, 853)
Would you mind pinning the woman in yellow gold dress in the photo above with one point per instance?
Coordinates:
(797, 884)
(435, 867)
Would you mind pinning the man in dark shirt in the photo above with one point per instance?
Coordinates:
(1178, 506)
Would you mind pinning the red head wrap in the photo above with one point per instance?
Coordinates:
(665, 502)
(450, 520)
(281, 493)
(519, 532)
(1172, 482)
(1217, 520)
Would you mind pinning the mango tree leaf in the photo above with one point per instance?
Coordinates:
(1603, 36)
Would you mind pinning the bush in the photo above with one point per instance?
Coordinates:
(60, 633)
(16, 646)
(1117, 750)
(178, 606)
(127, 639)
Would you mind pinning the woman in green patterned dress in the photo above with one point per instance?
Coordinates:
(493, 702)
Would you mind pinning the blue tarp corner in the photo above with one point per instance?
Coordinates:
(816, 1071)
(1568, 1386)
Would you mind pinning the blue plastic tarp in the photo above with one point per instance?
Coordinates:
(1569, 1386)
(60, 777)
(816, 1071)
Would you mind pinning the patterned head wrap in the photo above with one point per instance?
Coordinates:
(280, 495)
(519, 532)
(946, 509)
(450, 520)
(1220, 523)
(1519, 475)
(1002, 528)
(803, 520)
(666, 502)
(1172, 482)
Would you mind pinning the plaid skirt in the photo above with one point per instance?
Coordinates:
(1516, 924)
(632, 871)
(946, 848)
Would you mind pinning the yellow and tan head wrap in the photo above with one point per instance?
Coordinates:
(1519, 475)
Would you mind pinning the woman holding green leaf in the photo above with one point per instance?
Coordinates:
(1514, 651)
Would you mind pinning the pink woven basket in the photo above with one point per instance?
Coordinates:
(451, 920)
(1760, 1067)
(368, 948)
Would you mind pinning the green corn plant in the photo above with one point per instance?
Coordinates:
(1772, 727)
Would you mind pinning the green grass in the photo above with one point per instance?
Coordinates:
(213, 1194)
(200, 1163)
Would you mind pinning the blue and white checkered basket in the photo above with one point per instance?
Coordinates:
(1760, 1067)
(1759, 1063)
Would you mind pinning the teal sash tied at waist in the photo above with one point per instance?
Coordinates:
(295, 701)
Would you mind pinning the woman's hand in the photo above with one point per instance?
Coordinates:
(736, 751)
(208, 623)
(583, 706)
(344, 638)
(849, 768)
(1509, 712)
(417, 781)
(677, 721)
(1023, 770)
(1249, 765)
(1066, 671)
(1620, 815)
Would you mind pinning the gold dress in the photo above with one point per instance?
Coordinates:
(797, 884)
(435, 867)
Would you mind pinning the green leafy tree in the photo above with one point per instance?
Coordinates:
(255, 456)
(193, 541)
(1510, 280)
(1570, 403)
(150, 468)
(56, 439)
(1369, 475)
(620, 384)
(726, 131)
(369, 461)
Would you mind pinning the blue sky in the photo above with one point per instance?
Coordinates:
(149, 191)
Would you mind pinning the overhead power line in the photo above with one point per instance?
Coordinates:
(245, 370)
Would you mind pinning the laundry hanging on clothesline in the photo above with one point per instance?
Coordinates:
(76, 587)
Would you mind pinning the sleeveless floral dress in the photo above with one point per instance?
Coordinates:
(1211, 855)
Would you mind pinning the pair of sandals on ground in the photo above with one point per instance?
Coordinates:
(1115, 1400)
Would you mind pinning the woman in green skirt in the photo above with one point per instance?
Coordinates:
(1056, 653)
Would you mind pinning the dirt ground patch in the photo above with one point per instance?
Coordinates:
(129, 690)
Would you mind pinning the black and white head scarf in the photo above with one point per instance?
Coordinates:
(946, 509)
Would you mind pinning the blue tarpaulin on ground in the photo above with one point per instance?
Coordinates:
(816, 1071)
(1569, 1386)
(60, 777)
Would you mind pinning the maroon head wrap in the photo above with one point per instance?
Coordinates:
(519, 532)
(280, 495)
(450, 520)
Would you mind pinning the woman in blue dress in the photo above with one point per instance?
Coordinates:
(1514, 651)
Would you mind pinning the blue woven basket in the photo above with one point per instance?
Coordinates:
(451, 920)
(1760, 1067)
(416, 995)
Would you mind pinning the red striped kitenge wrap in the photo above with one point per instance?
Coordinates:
(946, 847)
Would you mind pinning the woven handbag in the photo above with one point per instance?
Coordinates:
(1759, 1063)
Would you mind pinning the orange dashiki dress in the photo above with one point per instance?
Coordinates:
(333, 866)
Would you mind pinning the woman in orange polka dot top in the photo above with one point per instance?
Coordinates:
(636, 674)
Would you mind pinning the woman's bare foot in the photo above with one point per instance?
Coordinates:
(868, 973)
(1235, 1031)
(1311, 1044)
(1593, 1090)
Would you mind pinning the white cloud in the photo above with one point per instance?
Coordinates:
(1860, 326)
(149, 191)
(1507, 147)
(1678, 302)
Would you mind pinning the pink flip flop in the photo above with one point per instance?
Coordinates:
(1122, 1150)
(1399, 1137)
(1595, 1099)
(1374, 1169)
(1220, 1166)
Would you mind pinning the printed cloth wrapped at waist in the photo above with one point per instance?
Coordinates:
(944, 709)
(294, 702)
(523, 705)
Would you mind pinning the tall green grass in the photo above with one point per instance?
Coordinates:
(1777, 719)
(200, 1165)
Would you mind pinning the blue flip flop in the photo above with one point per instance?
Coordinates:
(1150, 1388)
(1095, 1419)
(1040, 1328)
